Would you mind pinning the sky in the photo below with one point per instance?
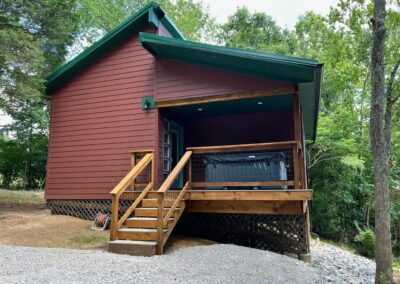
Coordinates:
(285, 12)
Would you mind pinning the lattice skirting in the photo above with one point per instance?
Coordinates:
(84, 209)
(279, 233)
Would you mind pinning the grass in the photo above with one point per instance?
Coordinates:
(396, 263)
(91, 239)
(21, 196)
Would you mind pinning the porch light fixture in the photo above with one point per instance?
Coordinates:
(148, 103)
(199, 109)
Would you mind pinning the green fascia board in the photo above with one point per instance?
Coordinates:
(151, 14)
(146, 37)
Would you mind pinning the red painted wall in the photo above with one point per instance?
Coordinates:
(96, 118)
(247, 128)
(177, 80)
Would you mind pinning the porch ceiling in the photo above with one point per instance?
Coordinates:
(269, 103)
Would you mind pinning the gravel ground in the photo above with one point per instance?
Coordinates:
(202, 264)
(335, 265)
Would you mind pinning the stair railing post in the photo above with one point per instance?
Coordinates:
(153, 169)
(114, 217)
(160, 221)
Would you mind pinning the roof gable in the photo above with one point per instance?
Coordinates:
(151, 14)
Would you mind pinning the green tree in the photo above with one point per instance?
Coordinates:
(97, 17)
(34, 39)
(257, 31)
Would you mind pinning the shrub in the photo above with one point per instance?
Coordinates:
(365, 240)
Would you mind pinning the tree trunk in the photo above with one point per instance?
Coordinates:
(380, 148)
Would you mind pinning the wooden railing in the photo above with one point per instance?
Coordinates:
(176, 196)
(294, 146)
(122, 186)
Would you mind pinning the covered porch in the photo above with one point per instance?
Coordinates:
(229, 158)
(249, 142)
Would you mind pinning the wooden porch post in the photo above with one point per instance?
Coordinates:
(300, 168)
(297, 149)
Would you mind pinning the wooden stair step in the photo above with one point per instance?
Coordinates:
(144, 248)
(150, 202)
(138, 234)
(143, 222)
(151, 212)
(154, 194)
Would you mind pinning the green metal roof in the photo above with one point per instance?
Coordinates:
(150, 14)
(304, 73)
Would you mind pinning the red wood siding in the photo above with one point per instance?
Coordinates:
(245, 128)
(96, 119)
(177, 80)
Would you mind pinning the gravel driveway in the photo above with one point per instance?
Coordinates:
(202, 264)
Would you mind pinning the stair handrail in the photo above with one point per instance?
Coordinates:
(163, 220)
(122, 186)
(170, 180)
(175, 172)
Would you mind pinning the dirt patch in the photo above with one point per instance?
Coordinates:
(176, 242)
(31, 224)
(26, 221)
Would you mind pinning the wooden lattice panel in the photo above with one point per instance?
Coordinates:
(279, 233)
(84, 209)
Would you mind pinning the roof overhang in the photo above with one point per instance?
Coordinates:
(304, 73)
(151, 14)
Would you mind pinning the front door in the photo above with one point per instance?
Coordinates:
(173, 149)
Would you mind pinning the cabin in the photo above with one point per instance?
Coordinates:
(167, 134)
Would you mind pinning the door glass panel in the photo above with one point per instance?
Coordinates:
(166, 150)
(174, 149)
(166, 138)
(166, 166)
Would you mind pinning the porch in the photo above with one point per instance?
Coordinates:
(145, 226)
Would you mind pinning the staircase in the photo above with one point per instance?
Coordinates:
(147, 224)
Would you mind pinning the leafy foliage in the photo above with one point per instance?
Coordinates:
(256, 31)
(365, 239)
(97, 17)
(31, 44)
(340, 165)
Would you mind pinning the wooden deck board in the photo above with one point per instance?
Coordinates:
(256, 195)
